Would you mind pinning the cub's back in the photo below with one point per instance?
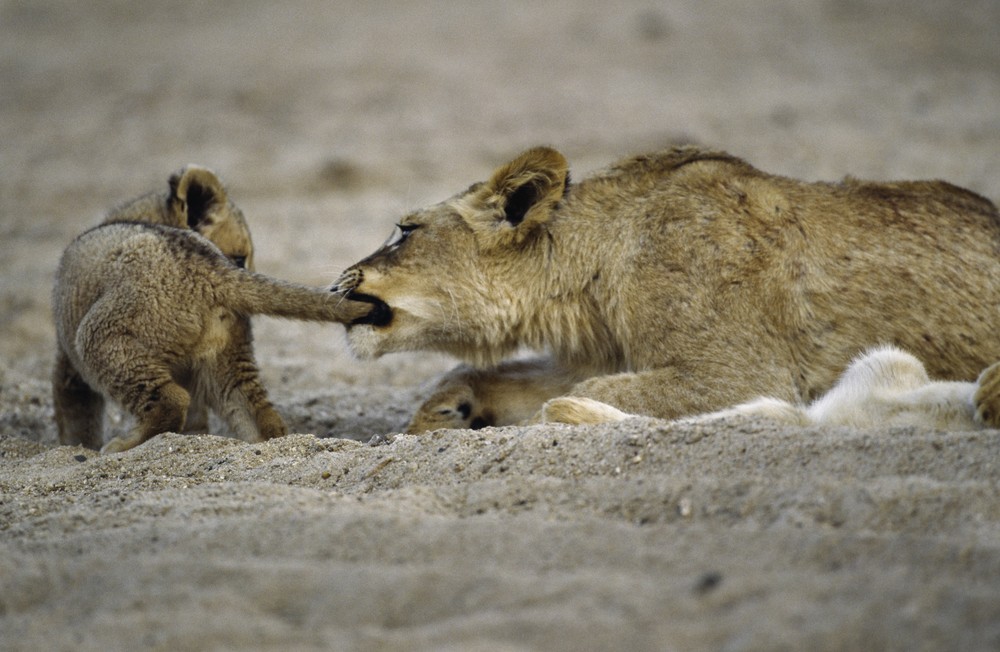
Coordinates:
(141, 267)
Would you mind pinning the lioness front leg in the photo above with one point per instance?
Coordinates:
(579, 410)
(987, 397)
(667, 393)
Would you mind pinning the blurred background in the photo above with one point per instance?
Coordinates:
(329, 120)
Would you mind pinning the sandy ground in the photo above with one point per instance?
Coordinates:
(328, 122)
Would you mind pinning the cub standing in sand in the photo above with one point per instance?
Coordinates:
(678, 283)
(152, 309)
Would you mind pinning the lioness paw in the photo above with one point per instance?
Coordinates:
(987, 397)
(576, 410)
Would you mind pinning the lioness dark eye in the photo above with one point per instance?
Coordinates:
(239, 261)
(400, 234)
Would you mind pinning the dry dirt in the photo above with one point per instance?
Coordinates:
(328, 122)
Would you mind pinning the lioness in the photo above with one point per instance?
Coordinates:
(677, 283)
(153, 315)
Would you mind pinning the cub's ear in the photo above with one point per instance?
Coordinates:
(194, 192)
(529, 186)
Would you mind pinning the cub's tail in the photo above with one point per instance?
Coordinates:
(259, 294)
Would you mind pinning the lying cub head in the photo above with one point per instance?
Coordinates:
(453, 277)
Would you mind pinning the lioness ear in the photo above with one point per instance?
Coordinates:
(530, 184)
(194, 191)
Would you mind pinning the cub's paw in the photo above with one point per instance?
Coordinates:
(270, 424)
(454, 406)
(987, 397)
(576, 410)
(120, 444)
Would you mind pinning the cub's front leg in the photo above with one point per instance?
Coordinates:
(511, 393)
(79, 409)
(239, 395)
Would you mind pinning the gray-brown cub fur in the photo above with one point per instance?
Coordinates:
(152, 310)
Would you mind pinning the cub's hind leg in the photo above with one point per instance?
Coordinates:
(578, 410)
(79, 410)
(158, 404)
(134, 373)
(871, 389)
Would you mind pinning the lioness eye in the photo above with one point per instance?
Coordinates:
(239, 261)
(400, 234)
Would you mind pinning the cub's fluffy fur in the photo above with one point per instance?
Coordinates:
(152, 310)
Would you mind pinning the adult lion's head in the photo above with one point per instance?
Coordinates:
(454, 277)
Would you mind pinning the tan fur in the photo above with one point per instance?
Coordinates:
(155, 317)
(685, 281)
(472, 398)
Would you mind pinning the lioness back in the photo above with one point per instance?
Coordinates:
(818, 267)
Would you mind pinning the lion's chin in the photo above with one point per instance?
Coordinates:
(363, 340)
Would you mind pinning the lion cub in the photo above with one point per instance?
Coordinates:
(152, 310)
(677, 283)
